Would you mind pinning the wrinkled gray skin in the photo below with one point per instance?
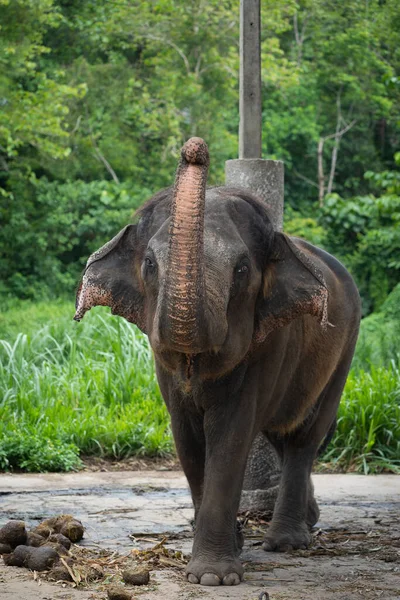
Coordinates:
(276, 323)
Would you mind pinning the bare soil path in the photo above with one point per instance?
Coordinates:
(355, 555)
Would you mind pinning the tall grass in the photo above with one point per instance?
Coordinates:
(68, 388)
(378, 343)
(89, 386)
(368, 428)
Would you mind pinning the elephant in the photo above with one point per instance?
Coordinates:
(252, 330)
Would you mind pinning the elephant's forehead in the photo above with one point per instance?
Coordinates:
(159, 242)
(222, 241)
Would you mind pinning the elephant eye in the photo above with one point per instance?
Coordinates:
(149, 264)
(242, 269)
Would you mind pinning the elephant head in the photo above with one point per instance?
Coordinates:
(203, 273)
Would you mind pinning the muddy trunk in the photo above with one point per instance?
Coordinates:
(182, 320)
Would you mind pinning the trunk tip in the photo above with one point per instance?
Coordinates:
(195, 152)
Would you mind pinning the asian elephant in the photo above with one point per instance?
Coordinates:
(252, 331)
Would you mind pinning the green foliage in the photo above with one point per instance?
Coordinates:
(365, 233)
(391, 307)
(49, 237)
(378, 342)
(32, 453)
(307, 228)
(368, 428)
(34, 103)
(92, 386)
(150, 85)
(89, 385)
(368, 431)
(101, 95)
(342, 59)
(22, 315)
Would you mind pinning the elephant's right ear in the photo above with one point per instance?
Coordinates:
(112, 278)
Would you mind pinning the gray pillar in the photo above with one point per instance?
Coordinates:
(250, 80)
(264, 178)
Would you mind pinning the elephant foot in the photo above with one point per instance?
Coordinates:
(206, 572)
(238, 534)
(284, 537)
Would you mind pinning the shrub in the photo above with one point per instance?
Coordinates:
(92, 386)
(89, 386)
(307, 228)
(49, 233)
(379, 340)
(368, 428)
(364, 232)
(34, 453)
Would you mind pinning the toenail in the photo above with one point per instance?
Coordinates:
(210, 579)
(231, 579)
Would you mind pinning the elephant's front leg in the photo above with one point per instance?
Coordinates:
(187, 429)
(215, 549)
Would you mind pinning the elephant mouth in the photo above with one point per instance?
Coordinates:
(190, 362)
(191, 369)
(186, 368)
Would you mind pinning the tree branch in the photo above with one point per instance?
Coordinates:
(337, 136)
(309, 181)
(341, 132)
(98, 153)
(105, 162)
(299, 36)
(77, 124)
(336, 144)
(3, 163)
(173, 45)
(321, 178)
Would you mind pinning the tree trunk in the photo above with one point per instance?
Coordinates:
(321, 178)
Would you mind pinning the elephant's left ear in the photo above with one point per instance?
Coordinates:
(293, 286)
(112, 278)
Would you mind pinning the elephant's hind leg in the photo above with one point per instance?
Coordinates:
(313, 511)
(289, 528)
(296, 510)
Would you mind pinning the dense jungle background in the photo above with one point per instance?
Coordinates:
(96, 99)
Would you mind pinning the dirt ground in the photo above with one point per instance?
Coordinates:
(145, 517)
(95, 464)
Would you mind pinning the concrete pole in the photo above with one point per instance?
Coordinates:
(250, 80)
(264, 178)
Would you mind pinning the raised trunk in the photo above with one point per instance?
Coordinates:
(182, 319)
